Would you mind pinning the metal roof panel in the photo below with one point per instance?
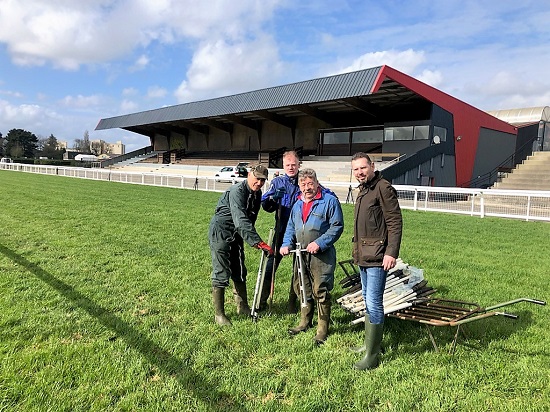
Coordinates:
(334, 87)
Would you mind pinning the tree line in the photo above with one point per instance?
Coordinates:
(19, 143)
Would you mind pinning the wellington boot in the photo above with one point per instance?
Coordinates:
(219, 310)
(358, 349)
(306, 317)
(373, 339)
(363, 347)
(239, 292)
(292, 301)
(323, 320)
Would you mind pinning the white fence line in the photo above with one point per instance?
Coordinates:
(517, 204)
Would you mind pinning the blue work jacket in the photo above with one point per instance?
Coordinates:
(324, 224)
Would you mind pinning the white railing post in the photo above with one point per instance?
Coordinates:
(492, 202)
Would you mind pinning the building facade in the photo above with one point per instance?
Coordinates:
(435, 138)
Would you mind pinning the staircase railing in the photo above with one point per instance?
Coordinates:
(112, 161)
(492, 176)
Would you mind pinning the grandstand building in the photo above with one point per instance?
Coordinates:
(433, 138)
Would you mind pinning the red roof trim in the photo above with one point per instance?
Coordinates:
(467, 119)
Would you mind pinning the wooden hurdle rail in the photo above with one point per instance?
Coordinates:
(404, 286)
(407, 297)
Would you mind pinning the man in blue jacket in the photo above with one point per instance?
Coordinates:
(279, 198)
(316, 222)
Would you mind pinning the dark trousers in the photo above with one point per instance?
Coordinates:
(227, 262)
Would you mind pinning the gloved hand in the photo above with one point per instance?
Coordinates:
(279, 193)
(265, 247)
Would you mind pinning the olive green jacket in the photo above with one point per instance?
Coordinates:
(236, 214)
(378, 222)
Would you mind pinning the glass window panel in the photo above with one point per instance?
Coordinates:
(388, 134)
(441, 132)
(403, 133)
(367, 136)
(336, 138)
(421, 132)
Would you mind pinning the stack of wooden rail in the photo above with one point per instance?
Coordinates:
(406, 297)
(405, 285)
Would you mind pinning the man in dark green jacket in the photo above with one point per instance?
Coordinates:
(233, 222)
(376, 241)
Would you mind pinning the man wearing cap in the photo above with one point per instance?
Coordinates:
(232, 225)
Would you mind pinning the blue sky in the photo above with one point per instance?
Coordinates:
(64, 65)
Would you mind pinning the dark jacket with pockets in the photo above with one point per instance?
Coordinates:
(378, 223)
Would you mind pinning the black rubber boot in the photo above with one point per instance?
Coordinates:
(241, 299)
(219, 310)
(292, 301)
(306, 318)
(323, 320)
(373, 339)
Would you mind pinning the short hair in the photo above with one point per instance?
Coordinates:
(307, 173)
(291, 153)
(361, 155)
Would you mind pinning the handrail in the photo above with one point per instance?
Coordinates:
(489, 175)
(121, 158)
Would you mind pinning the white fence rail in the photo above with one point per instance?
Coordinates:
(517, 204)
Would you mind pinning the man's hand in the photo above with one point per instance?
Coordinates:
(265, 247)
(388, 262)
(284, 250)
(279, 193)
(313, 248)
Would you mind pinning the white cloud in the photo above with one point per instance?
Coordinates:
(127, 106)
(406, 61)
(433, 78)
(71, 33)
(11, 93)
(129, 91)
(156, 92)
(219, 68)
(140, 64)
(81, 102)
(31, 117)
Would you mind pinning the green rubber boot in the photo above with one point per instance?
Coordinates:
(219, 310)
(323, 320)
(373, 339)
(306, 318)
(241, 299)
(292, 301)
(362, 348)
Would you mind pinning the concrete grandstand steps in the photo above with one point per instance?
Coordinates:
(146, 157)
(207, 162)
(336, 168)
(532, 174)
(329, 168)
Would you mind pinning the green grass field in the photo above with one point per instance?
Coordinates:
(105, 306)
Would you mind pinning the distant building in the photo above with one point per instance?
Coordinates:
(103, 147)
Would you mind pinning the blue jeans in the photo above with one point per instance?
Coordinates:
(373, 282)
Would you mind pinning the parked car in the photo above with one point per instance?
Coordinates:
(6, 160)
(231, 174)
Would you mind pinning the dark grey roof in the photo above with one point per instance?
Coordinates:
(325, 89)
